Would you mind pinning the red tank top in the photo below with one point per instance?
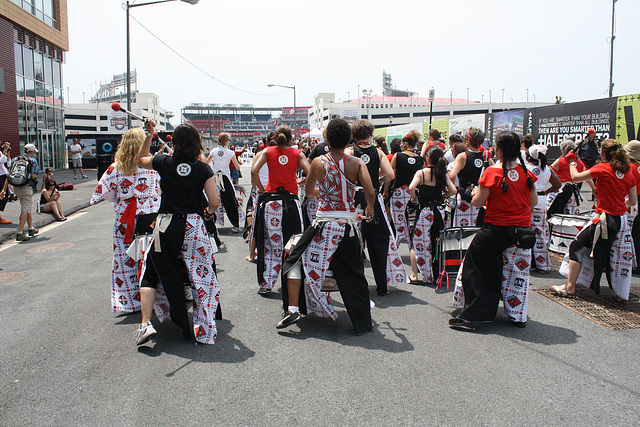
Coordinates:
(336, 191)
(283, 163)
(563, 171)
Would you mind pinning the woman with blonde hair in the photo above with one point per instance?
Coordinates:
(135, 193)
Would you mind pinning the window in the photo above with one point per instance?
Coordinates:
(38, 67)
(27, 61)
(29, 90)
(20, 87)
(48, 71)
(57, 94)
(17, 52)
(57, 80)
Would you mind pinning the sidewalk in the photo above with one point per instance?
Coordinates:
(72, 201)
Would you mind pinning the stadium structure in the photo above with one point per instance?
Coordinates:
(244, 122)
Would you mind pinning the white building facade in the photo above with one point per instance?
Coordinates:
(100, 118)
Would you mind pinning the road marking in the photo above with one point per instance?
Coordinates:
(44, 229)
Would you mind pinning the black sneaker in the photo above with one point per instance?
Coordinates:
(288, 319)
(461, 324)
(22, 237)
(264, 290)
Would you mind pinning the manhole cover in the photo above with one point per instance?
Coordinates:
(49, 248)
(601, 308)
(11, 276)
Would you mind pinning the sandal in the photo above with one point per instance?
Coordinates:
(619, 300)
(561, 291)
(414, 280)
(248, 258)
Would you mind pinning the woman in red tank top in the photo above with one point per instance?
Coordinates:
(278, 216)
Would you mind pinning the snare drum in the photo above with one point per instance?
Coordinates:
(454, 242)
(564, 228)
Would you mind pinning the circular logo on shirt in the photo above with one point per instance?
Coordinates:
(477, 163)
(183, 169)
(283, 160)
(326, 148)
(619, 174)
(220, 153)
(536, 171)
(512, 174)
(411, 160)
(365, 159)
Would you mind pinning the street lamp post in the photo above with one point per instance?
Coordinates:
(367, 94)
(613, 37)
(127, 7)
(295, 120)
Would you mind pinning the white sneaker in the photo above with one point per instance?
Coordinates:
(145, 332)
(235, 229)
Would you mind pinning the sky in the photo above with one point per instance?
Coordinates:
(229, 50)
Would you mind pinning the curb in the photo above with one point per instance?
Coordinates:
(43, 221)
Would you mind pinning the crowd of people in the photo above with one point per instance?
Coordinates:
(311, 214)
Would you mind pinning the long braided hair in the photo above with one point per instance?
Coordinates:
(509, 144)
(438, 167)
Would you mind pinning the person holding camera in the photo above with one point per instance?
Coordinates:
(50, 200)
(5, 153)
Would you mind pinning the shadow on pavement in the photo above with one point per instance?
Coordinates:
(535, 332)
(341, 332)
(396, 298)
(169, 341)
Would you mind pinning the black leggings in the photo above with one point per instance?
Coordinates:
(229, 201)
(482, 272)
(166, 266)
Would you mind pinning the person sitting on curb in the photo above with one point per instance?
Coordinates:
(50, 199)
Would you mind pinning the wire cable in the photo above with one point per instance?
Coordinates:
(200, 69)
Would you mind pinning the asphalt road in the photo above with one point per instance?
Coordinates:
(66, 359)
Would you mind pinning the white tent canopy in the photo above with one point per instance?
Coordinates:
(313, 133)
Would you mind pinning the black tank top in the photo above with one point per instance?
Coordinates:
(406, 168)
(428, 193)
(470, 174)
(371, 159)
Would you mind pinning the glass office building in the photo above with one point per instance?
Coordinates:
(35, 114)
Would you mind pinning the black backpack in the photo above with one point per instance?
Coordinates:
(20, 171)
